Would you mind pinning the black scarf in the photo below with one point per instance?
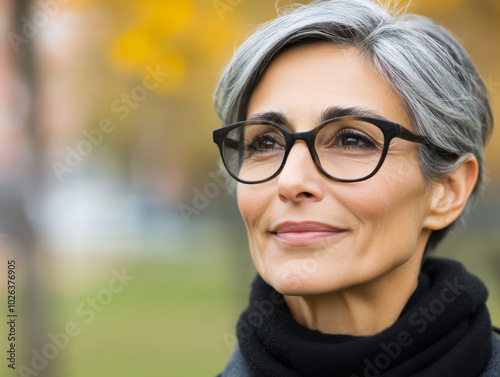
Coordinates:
(444, 330)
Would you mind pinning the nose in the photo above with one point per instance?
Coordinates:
(300, 178)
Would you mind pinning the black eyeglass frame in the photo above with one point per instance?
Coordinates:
(390, 130)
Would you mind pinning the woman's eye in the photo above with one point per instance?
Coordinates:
(350, 141)
(264, 142)
(353, 140)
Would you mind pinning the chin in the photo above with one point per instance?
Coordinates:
(304, 280)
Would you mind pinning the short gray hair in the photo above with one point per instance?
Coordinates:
(442, 91)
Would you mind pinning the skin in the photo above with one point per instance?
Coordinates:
(357, 280)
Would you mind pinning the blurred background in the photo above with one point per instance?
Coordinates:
(131, 257)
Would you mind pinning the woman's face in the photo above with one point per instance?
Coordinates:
(309, 234)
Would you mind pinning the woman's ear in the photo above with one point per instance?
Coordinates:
(450, 194)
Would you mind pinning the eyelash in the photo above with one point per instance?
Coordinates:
(368, 143)
(250, 148)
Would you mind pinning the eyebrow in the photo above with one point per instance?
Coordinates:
(271, 116)
(329, 113)
(337, 111)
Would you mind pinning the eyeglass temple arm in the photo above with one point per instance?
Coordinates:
(227, 142)
(231, 143)
(406, 134)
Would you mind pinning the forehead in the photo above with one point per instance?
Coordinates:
(302, 82)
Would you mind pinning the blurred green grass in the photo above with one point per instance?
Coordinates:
(169, 321)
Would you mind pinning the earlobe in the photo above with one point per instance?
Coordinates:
(451, 193)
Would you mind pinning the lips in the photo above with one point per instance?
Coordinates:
(304, 233)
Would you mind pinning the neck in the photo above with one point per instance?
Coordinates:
(362, 310)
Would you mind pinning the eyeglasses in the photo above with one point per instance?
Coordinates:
(344, 149)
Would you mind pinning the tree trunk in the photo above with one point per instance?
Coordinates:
(33, 315)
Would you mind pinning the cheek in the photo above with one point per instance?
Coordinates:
(394, 204)
(246, 202)
(252, 202)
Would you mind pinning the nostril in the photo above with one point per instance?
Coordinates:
(307, 194)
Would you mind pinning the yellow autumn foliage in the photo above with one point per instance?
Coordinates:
(193, 39)
(173, 34)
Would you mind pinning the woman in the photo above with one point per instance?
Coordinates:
(356, 137)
